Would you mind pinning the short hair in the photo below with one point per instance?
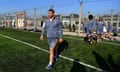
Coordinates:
(108, 22)
(85, 18)
(52, 10)
(100, 18)
(90, 17)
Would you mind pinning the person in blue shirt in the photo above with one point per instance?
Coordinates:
(109, 29)
(115, 30)
(91, 25)
(99, 28)
(53, 27)
(91, 28)
(85, 25)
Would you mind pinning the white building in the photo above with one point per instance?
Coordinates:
(116, 20)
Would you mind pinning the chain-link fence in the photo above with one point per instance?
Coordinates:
(34, 18)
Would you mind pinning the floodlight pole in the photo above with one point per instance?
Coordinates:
(80, 16)
(35, 23)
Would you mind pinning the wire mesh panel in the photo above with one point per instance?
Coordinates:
(71, 14)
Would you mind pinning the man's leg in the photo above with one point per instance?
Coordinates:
(91, 37)
(99, 37)
(51, 56)
(52, 50)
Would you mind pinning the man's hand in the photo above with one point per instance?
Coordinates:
(60, 40)
(93, 30)
(41, 38)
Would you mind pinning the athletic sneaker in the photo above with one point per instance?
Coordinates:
(55, 58)
(99, 40)
(90, 42)
(48, 67)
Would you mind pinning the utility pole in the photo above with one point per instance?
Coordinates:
(5, 20)
(60, 17)
(25, 23)
(88, 13)
(35, 17)
(70, 24)
(118, 20)
(0, 18)
(80, 15)
(51, 6)
(9, 20)
(72, 19)
(112, 17)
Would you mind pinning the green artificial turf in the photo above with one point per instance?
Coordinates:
(16, 57)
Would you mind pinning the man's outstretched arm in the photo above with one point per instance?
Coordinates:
(60, 32)
(43, 31)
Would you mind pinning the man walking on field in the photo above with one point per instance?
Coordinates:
(53, 27)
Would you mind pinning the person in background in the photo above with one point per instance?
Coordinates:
(99, 28)
(85, 26)
(109, 30)
(115, 32)
(91, 28)
(73, 27)
(70, 28)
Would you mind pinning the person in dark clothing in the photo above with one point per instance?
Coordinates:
(115, 30)
(70, 28)
(73, 27)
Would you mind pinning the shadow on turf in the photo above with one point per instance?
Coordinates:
(107, 65)
(92, 39)
(77, 67)
(60, 48)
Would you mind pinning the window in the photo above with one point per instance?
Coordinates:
(114, 23)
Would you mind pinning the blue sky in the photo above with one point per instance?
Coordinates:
(61, 6)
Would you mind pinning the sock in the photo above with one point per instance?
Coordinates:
(50, 63)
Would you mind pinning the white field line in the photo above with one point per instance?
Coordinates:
(82, 39)
(64, 57)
